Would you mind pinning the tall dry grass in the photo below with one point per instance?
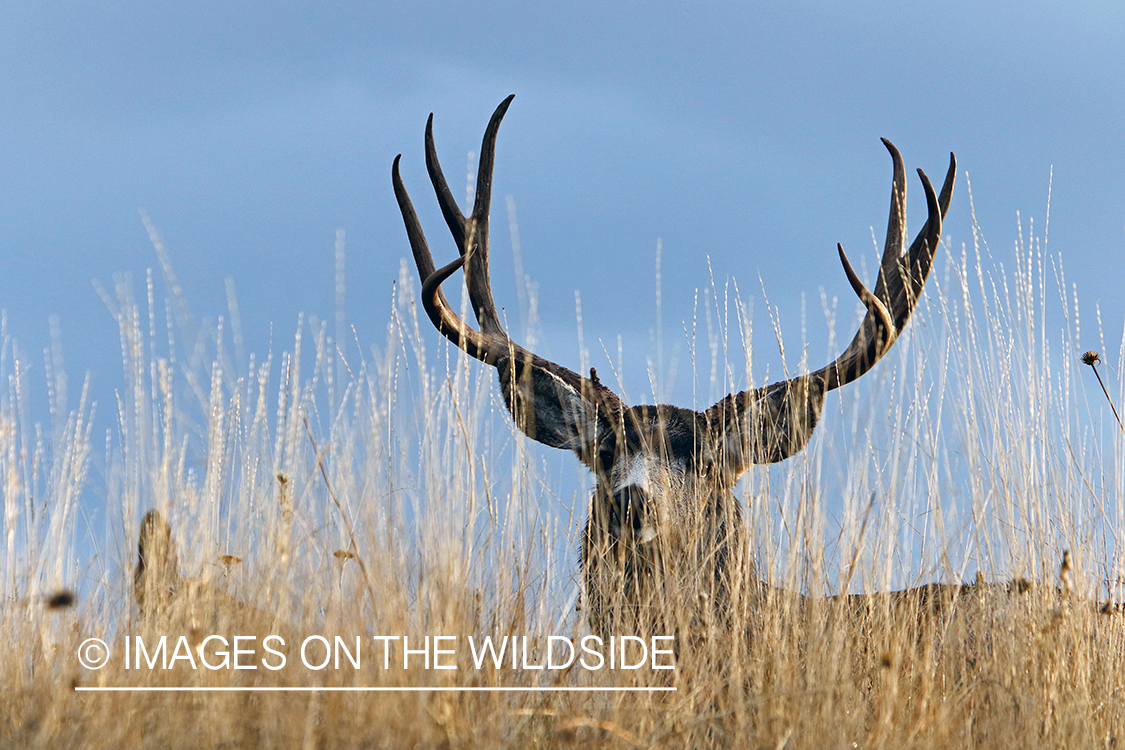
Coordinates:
(386, 492)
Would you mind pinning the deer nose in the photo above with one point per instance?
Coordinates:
(628, 512)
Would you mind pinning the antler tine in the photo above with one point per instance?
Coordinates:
(471, 235)
(896, 222)
(476, 274)
(921, 253)
(454, 219)
(450, 325)
(919, 265)
(873, 304)
(418, 244)
(891, 281)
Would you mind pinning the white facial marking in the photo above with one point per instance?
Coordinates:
(636, 475)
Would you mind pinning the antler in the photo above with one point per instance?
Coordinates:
(549, 402)
(491, 343)
(772, 423)
(901, 277)
(562, 409)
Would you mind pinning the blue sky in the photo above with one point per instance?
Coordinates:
(743, 133)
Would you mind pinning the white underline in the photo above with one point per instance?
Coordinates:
(116, 689)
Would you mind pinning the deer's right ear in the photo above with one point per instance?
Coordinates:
(552, 411)
(158, 569)
(765, 425)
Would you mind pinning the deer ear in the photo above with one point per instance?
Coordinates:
(158, 569)
(551, 411)
(766, 425)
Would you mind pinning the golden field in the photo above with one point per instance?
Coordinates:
(386, 493)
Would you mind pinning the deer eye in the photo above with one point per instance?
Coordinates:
(628, 510)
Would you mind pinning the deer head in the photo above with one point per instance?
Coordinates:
(663, 519)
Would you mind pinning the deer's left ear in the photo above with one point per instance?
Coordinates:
(765, 425)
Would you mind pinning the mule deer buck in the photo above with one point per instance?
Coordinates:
(663, 520)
